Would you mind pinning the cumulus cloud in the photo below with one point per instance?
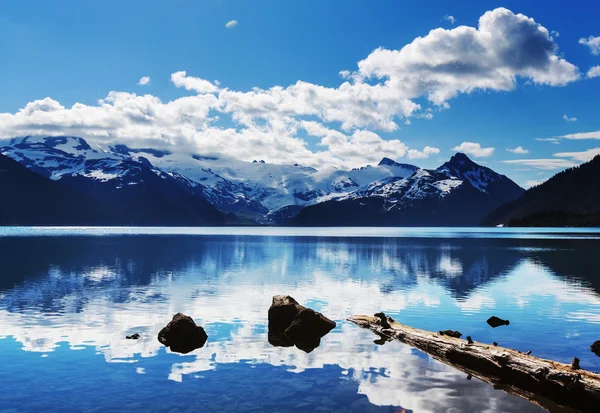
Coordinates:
(568, 119)
(231, 24)
(451, 19)
(416, 154)
(474, 149)
(593, 72)
(379, 95)
(492, 56)
(593, 42)
(181, 79)
(144, 80)
(519, 150)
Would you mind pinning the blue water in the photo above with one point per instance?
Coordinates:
(68, 298)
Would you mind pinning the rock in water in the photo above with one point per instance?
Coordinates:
(451, 333)
(133, 336)
(308, 321)
(596, 348)
(293, 324)
(494, 322)
(282, 312)
(182, 334)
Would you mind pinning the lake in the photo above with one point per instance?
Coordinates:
(69, 296)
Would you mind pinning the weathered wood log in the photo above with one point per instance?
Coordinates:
(554, 386)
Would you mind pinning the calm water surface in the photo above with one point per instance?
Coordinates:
(68, 298)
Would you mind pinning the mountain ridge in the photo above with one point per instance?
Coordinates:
(571, 197)
(205, 190)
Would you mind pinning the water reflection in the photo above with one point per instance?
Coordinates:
(93, 292)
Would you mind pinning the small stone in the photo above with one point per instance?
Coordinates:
(528, 353)
(596, 348)
(450, 333)
(469, 340)
(494, 322)
(383, 320)
(575, 364)
(135, 336)
(494, 343)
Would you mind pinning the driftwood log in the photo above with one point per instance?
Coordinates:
(554, 386)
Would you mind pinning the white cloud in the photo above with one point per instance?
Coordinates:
(546, 164)
(568, 119)
(555, 33)
(425, 153)
(451, 19)
(492, 56)
(581, 135)
(474, 149)
(381, 94)
(583, 156)
(231, 24)
(519, 150)
(592, 42)
(593, 72)
(555, 141)
(181, 79)
(144, 80)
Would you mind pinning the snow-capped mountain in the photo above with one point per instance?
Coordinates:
(254, 189)
(460, 192)
(149, 182)
(129, 189)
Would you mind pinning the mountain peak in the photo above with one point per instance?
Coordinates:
(390, 162)
(460, 157)
(387, 161)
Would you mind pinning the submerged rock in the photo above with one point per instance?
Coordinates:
(293, 324)
(596, 348)
(182, 334)
(134, 336)
(494, 322)
(450, 333)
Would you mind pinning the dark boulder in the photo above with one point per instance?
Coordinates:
(133, 336)
(182, 335)
(596, 348)
(494, 322)
(450, 333)
(282, 312)
(293, 324)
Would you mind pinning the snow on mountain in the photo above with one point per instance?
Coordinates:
(235, 185)
(56, 157)
(460, 192)
(252, 188)
(461, 167)
(397, 192)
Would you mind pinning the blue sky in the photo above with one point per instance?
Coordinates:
(78, 52)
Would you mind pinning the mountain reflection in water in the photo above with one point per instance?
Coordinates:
(90, 292)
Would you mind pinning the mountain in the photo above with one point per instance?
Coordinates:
(129, 190)
(458, 193)
(257, 192)
(149, 186)
(569, 198)
(27, 198)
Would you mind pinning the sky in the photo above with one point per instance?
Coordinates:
(512, 84)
